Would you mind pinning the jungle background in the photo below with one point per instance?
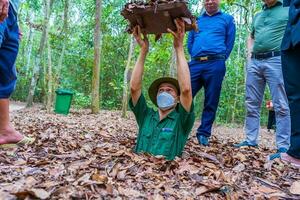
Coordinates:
(78, 44)
(82, 46)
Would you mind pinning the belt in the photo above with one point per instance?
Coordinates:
(265, 55)
(209, 57)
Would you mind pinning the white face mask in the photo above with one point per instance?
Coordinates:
(165, 101)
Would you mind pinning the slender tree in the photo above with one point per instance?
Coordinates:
(65, 31)
(49, 78)
(97, 61)
(126, 77)
(29, 44)
(37, 64)
(173, 68)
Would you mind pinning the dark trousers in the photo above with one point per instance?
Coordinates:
(208, 74)
(271, 120)
(9, 46)
(291, 74)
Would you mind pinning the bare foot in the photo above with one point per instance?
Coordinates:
(10, 136)
(294, 161)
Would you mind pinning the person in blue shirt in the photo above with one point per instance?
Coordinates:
(9, 46)
(209, 48)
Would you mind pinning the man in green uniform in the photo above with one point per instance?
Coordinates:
(163, 132)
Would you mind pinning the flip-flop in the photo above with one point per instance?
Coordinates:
(24, 141)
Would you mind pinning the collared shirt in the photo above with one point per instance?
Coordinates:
(287, 2)
(166, 137)
(269, 27)
(216, 35)
(15, 5)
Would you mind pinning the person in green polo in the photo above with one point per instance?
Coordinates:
(165, 131)
(264, 68)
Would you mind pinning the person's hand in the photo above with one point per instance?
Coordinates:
(248, 55)
(269, 105)
(20, 34)
(4, 4)
(142, 42)
(179, 34)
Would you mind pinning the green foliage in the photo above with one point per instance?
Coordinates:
(76, 70)
(81, 100)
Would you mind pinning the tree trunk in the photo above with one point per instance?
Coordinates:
(29, 45)
(65, 39)
(127, 78)
(49, 93)
(173, 68)
(237, 70)
(37, 66)
(65, 30)
(97, 53)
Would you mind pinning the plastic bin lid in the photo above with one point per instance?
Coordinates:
(64, 91)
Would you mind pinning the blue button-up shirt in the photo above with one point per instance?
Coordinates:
(216, 35)
(15, 5)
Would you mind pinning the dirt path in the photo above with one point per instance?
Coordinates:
(15, 106)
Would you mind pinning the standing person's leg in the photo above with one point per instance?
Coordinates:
(213, 78)
(271, 120)
(255, 87)
(273, 74)
(9, 45)
(7, 133)
(196, 80)
(291, 73)
(195, 74)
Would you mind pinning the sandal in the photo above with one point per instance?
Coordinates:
(23, 142)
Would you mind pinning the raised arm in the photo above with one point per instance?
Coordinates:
(137, 73)
(183, 73)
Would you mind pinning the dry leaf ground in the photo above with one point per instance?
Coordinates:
(85, 156)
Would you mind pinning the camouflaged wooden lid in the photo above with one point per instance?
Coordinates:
(156, 16)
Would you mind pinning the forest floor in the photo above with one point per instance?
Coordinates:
(86, 156)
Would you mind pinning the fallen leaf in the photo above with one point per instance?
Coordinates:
(109, 189)
(239, 168)
(295, 188)
(83, 179)
(36, 193)
(201, 190)
(158, 197)
(39, 193)
(241, 156)
(101, 179)
(267, 190)
(129, 192)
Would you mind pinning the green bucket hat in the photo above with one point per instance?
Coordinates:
(153, 89)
